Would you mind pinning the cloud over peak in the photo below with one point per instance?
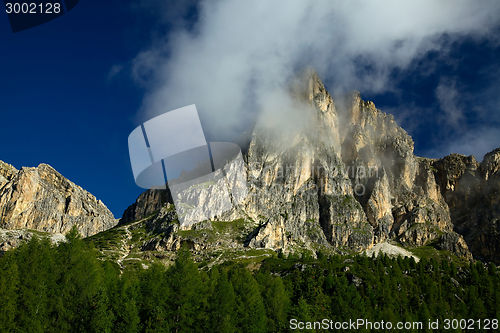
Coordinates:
(237, 54)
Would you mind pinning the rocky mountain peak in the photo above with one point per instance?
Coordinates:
(7, 172)
(491, 163)
(337, 175)
(42, 199)
(471, 191)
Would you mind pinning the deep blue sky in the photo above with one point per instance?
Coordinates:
(471, 70)
(59, 104)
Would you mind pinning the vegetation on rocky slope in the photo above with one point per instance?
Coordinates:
(66, 287)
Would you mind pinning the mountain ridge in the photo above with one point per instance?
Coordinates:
(41, 199)
(318, 207)
(323, 175)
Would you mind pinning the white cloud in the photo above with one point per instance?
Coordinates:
(449, 101)
(115, 69)
(241, 52)
(472, 143)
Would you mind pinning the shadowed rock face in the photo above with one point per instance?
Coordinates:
(342, 175)
(42, 199)
(149, 202)
(472, 192)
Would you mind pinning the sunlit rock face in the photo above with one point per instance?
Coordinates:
(316, 173)
(42, 199)
(401, 198)
(340, 175)
(299, 190)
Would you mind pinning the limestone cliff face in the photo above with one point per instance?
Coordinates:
(42, 199)
(299, 189)
(149, 202)
(399, 194)
(7, 172)
(472, 192)
(341, 175)
(369, 185)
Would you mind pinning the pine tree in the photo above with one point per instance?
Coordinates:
(9, 288)
(424, 316)
(154, 292)
(475, 304)
(329, 284)
(186, 303)
(80, 288)
(127, 309)
(250, 306)
(278, 305)
(102, 316)
(37, 275)
(223, 305)
(302, 313)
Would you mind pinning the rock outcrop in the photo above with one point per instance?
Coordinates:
(149, 202)
(10, 239)
(472, 192)
(368, 185)
(299, 191)
(42, 199)
(341, 175)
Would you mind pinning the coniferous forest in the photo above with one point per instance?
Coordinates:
(67, 288)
